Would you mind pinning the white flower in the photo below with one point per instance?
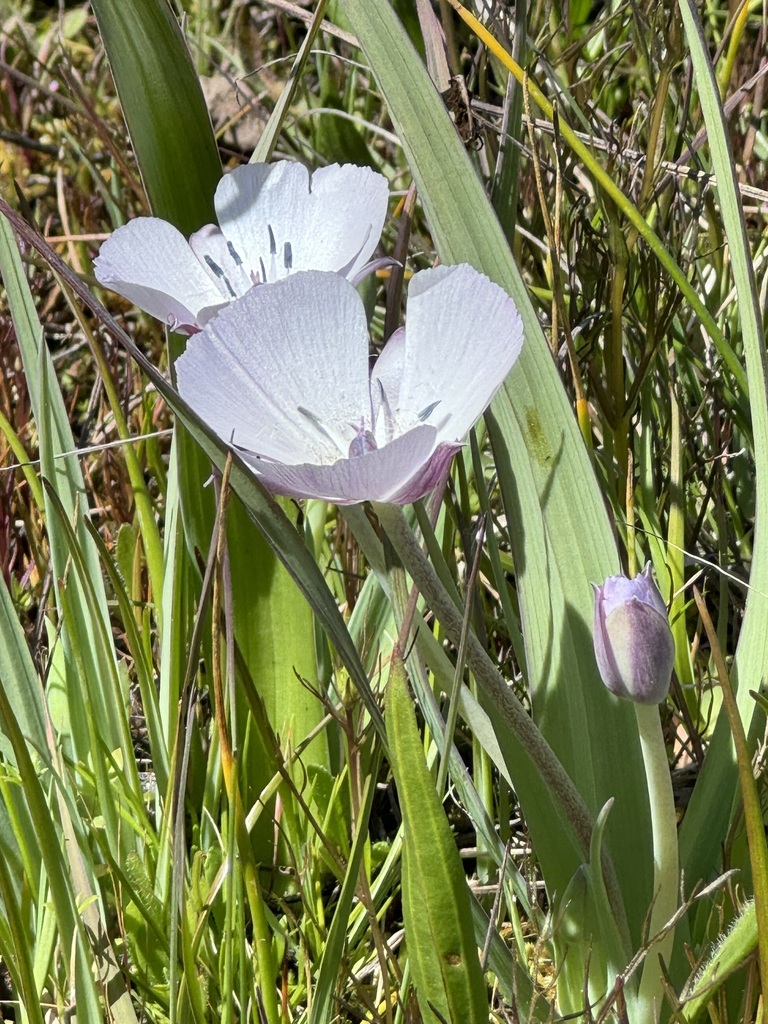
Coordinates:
(274, 220)
(283, 375)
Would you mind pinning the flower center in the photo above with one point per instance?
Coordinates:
(229, 269)
(362, 443)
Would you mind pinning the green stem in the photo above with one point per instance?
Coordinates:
(262, 936)
(675, 554)
(576, 816)
(734, 43)
(150, 532)
(665, 856)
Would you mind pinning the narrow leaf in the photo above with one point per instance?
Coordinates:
(707, 817)
(439, 932)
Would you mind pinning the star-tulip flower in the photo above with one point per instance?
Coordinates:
(283, 374)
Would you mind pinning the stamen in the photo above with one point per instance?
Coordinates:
(287, 256)
(220, 274)
(263, 271)
(315, 421)
(426, 413)
(272, 242)
(234, 254)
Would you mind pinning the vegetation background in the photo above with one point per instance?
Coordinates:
(210, 809)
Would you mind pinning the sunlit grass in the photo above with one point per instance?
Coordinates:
(171, 847)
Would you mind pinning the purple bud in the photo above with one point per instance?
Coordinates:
(634, 647)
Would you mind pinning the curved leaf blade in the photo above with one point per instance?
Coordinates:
(548, 486)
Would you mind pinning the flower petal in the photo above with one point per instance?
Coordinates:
(331, 223)
(283, 371)
(642, 651)
(352, 208)
(150, 262)
(387, 374)
(400, 472)
(462, 336)
(634, 646)
(618, 589)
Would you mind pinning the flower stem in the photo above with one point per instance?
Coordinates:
(665, 856)
(578, 822)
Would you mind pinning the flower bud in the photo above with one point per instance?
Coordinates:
(634, 647)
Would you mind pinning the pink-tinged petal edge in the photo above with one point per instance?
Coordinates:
(399, 472)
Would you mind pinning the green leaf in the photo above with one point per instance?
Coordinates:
(728, 954)
(439, 932)
(708, 815)
(19, 675)
(164, 109)
(549, 495)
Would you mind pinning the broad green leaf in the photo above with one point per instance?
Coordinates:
(164, 108)
(169, 125)
(439, 933)
(548, 487)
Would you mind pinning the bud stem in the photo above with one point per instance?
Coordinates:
(665, 856)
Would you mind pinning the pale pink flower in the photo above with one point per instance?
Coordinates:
(283, 374)
(274, 220)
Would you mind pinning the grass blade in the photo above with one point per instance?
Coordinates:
(706, 820)
(439, 932)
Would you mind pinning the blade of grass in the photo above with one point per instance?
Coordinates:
(333, 949)
(266, 144)
(18, 673)
(706, 819)
(752, 809)
(606, 183)
(436, 910)
(84, 630)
